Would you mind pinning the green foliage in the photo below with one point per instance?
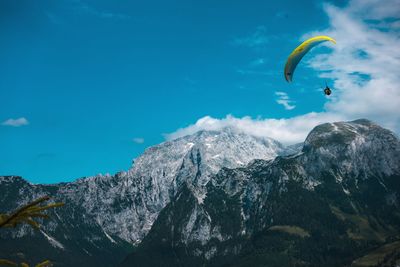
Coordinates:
(290, 229)
(27, 214)
(7, 263)
(45, 263)
(386, 255)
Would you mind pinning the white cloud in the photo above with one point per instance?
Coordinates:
(365, 62)
(138, 140)
(15, 122)
(364, 65)
(284, 100)
(375, 9)
(287, 131)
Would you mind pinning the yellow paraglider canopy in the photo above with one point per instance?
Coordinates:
(297, 54)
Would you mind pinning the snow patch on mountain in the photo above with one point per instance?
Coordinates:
(53, 241)
(346, 151)
(127, 204)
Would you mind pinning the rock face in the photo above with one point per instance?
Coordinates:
(328, 205)
(106, 215)
(225, 199)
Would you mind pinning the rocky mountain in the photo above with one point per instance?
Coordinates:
(105, 216)
(335, 203)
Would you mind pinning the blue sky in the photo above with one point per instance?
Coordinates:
(86, 86)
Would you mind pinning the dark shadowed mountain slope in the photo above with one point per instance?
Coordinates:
(106, 215)
(336, 203)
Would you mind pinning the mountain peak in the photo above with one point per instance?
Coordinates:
(161, 170)
(340, 133)
(359, 145)
(12, 179)
(346, 170)
(226, 147)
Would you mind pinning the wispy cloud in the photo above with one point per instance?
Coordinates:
(282, 14)
(284, 100)
(84, 8)
(138, 140)
(257, 39)
(15, 122)
(257, 62)
(365, 61)
(53, 18)
(256, 72)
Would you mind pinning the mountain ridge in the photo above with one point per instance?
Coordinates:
(223, 192)
(341, 193)
(118, 210)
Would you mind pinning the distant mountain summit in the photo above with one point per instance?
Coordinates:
(106, 214)
(335, 203)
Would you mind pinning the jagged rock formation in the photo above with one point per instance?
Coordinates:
(224, 198)
(327, 205)
(105, 215)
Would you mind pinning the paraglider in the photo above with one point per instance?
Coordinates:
(327, 90)
(297, 54)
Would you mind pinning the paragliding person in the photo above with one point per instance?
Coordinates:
(298, 53)
(327, 90)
